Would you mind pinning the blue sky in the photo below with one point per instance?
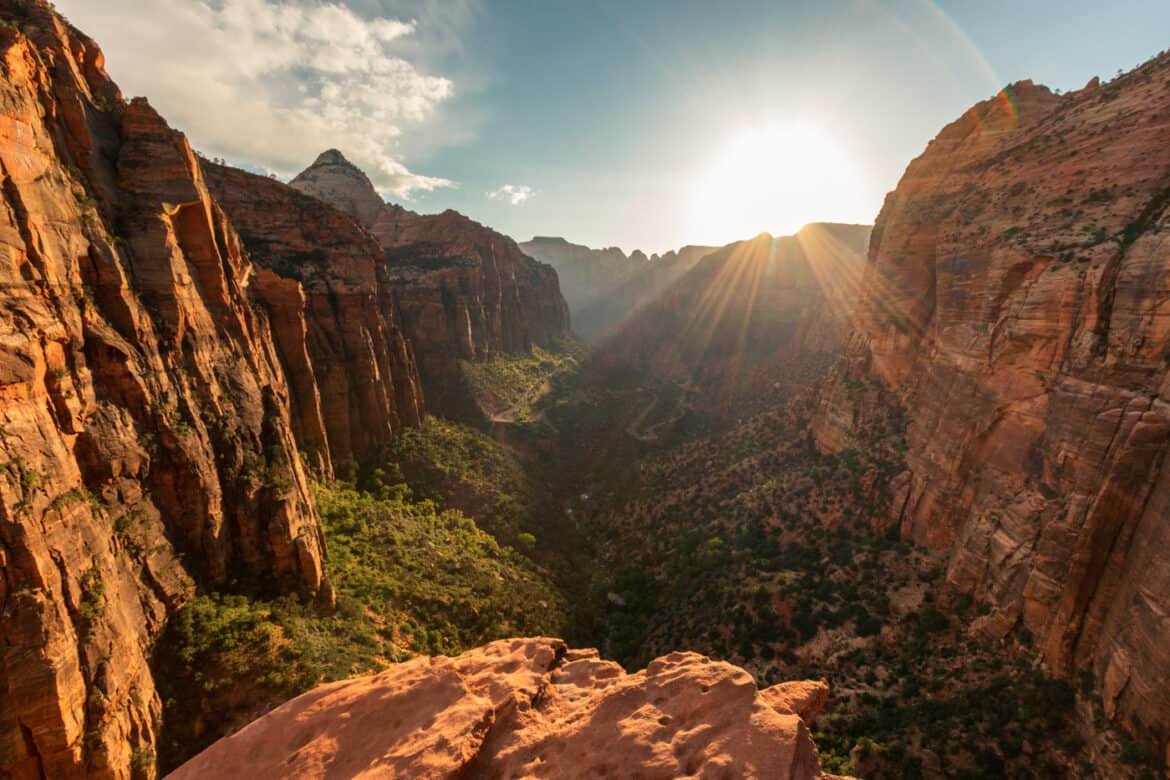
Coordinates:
(641, 124)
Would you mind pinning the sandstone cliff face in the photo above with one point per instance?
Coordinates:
(752, 316)
(604, 287)
(325, 283)
(144, 435)
(531, 708)
(461, 290)
(1017, 306)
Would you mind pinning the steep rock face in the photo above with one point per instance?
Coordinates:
(351, 368)
(462, 291)
(603, 286)
(528, 708)
(143, 413)
(753, 315)
(1018, 307)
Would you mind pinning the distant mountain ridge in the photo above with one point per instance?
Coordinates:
(750, 322)
(604, 286)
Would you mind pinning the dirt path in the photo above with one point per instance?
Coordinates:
(633, 427)
(512, 413)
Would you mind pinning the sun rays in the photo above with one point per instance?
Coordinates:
(775, 176)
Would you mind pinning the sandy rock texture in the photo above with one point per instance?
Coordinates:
(1017, 307)
(324, 280)
(528, 708)
(145, 440)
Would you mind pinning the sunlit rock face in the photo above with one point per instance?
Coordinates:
(531, 708)
(461, 290)
(325, 282)
(139, 393)
(750, 321)
(605, 287)
(1017, 305)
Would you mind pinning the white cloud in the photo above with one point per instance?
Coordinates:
(274, 82)
(514, 193)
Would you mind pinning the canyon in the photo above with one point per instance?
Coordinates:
(463, 292)
(604, 287)
(1015, 309)
(278, 461)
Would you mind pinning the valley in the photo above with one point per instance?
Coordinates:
(276, 453)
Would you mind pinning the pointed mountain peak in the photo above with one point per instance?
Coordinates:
(332, 157)
(335, 180)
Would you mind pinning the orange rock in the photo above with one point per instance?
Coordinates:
(805, 698)
(1015, 309)
(462, 291)
(524, 708)
(337, 327)
(136, 372)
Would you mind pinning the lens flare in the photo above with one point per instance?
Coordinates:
(774, 178)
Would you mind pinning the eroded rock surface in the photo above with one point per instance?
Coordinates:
(462, 291)
(144, 435)
(325, 283)
(1017, 306)
(525, 708)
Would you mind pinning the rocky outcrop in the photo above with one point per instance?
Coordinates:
(525, 708)
(1016, 307)
(603, 287)
(755, 318)
(325, 283)
(144, 436)
(462, 291)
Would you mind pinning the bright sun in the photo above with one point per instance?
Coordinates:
(773, 178)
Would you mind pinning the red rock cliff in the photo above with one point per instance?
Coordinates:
(144, 434)
(463, 291)
(531, 708)
(325, 281)
(1018, 307)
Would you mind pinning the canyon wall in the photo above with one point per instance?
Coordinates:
(145, 442)
(461, 290)
(604, 287)
(1017, 306)
(325, 283)
(753, 319)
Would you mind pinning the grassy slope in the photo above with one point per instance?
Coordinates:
(409, 578)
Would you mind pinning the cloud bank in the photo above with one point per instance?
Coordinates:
(513, 193)
(273, 82)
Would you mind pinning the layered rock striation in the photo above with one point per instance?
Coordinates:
(1017, 307)
(324, 281)
(145, 441)
(531, 708)
(461, 290)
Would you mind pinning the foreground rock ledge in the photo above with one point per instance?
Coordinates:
(531, 708)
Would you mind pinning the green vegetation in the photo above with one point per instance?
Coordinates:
(460, 468)
(508, 386)
(408, 577)
(431, 578)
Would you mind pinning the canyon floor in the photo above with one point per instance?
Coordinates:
(735, 539)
